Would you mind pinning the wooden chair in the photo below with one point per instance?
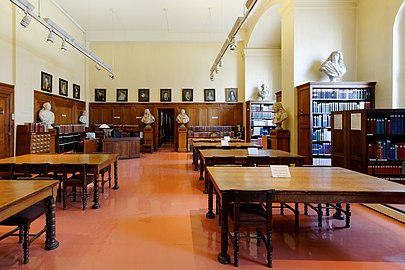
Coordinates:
(252, 209)
(6, 170)
(22, 220)
(224, 160)
(36, 170)
(103, 171)
(74, 175)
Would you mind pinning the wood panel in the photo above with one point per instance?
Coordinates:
(6, 120)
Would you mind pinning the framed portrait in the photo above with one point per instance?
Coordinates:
(99, 94)
(187, 94)
(46, 82)
(165, 95)
(209, 94)
(231, 94)
(76, 91)
(143, 95)
(63, 87)
(122, 94)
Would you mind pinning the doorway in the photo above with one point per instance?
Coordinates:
(6, 120)
(166, 129)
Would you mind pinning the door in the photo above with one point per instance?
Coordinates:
(6, 121)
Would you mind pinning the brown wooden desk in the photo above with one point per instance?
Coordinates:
(217, 145)
(241, 155)
(17, 195)
(95, 162)
(307, 184)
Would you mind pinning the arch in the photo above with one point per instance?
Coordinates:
(398, 84)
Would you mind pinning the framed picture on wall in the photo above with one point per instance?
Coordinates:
(46, 82)
(143, 95)
(187, 94)
(99, 94)
(122, 94)
(231, 94)
(76, 91)
(63, 87)
(209, 94)
(165, 94)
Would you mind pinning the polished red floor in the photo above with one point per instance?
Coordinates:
(156, 220)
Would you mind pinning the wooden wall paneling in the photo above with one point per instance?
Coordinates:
(117, 114)
(63, 110)
(214, 115)
(126, 117)
(80, 107)
(192, 112)
(95, 114)
(238, 115)
(137, 113)
(39, 99)
(202, 116)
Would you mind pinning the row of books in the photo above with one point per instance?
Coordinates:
(328, 107)
(257, 131)
(394, 124)
(36, 127)
(321, 149)
(259, 115)
(385, 169)
(264, 123)
(321, 120)
(261, 107)
(322, 135)
(386, 150)
(66, 129)
(341, 93)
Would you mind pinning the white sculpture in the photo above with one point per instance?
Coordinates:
(182, 118)
(265, 93)
(46, 115)
(147, 118)
(280, 115)
(83, 118)
(334, 66)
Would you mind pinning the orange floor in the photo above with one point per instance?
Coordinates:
(156, 220)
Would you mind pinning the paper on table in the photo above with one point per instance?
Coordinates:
(280, 171)
(253, 151)
(224, 143)
(227, 138)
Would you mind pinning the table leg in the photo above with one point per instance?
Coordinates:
(202, 166)
(195, 159)
(116, 186)
(96, 204)
(338, 214)
(210, 214)
(223, 256)
(50, 234)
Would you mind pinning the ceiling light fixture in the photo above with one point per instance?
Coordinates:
(54, 29)
(98, 67)
(232, 44)
(63, 47)
(25, 20)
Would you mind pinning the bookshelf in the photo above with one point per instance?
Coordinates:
(316, 102)
(259, 119)
(69, 137)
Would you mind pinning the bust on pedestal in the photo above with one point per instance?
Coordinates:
(182, 119)
(147, 119)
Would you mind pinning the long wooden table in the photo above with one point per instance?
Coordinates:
(217, 145)
(95, 162)
(307, 185)
(17, 195)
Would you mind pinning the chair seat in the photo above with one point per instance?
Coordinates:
(26, 216)
(250, 213)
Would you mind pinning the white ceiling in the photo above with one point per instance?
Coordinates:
(154, 20)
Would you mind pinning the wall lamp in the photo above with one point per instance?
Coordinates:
(54, 29)
(230, 40)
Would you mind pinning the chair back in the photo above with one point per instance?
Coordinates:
(6, 170)
(223, 160)
(257, 161)
(35, 170)
(75, 172)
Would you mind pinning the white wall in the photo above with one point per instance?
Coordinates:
(398, 95)
(165, 65)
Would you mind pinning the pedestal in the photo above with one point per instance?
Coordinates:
(280, 140)
(148, 139)
(182, 142)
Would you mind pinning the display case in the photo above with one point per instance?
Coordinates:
(259, 119)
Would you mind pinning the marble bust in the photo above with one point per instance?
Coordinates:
(182, 118)
(264, 93)
(147, 118)
(83, 118)
(334, 67)
(46, 115)
(280, 115)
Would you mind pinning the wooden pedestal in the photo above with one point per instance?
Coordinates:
(280, 140)
(182, 143)
(148, 139)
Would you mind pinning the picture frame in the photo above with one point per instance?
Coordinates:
(46, 82)
(76, 91)
(122, 94)
(231, 94)
(99, 94)
(63, 87)
(165, 95)
(187, 94)
(143, 95)
(209, 95)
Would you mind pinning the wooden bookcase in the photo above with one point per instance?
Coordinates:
(259, 119)
(69, 137)
(370, 141)
(316, 101)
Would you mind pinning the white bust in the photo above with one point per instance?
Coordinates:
(280, 115)
(46, 115)
(147, 118)
(83, 118)
(264, 93)
(182, 118)
(334, 66)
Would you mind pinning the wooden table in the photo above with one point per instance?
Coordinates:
(217, 145)
(307, 185)
(17, 195)
(95, 162)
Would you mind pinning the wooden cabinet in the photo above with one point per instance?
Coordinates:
(69, 138)
(125, 147)
(280, 140)
(34, 143)
(370, 142)
(316, 101)
(259, 119)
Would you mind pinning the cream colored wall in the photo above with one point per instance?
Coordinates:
(165, 65)
(398, 95)
(25, 53)
(375, 46)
